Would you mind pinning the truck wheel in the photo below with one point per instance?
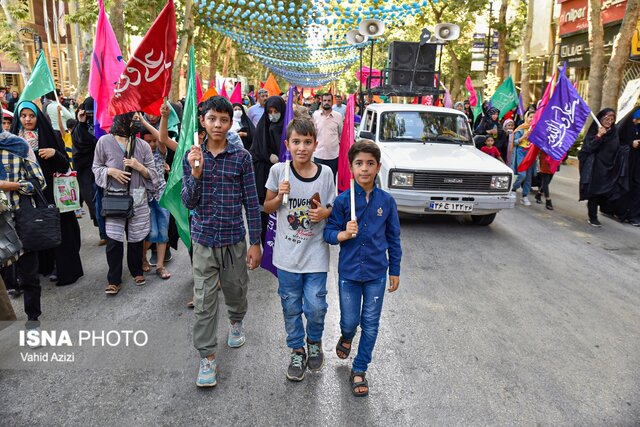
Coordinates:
(483, 220)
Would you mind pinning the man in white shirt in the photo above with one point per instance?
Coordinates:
(339, 106)
(329, 126)
(257, 110)
(52, 112)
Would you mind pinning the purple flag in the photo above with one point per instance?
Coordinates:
(272, 224)
(520, 106)
(561, 121)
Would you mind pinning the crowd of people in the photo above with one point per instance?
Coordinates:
(235, 168)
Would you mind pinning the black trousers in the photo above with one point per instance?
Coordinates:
(333, 164)
(115, 252)
(545, 180)
(592, 205)
(87, 193)
(27, 266)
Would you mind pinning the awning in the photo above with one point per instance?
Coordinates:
(8, 67)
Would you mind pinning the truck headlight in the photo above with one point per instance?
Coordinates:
(500, 182)
(402, 179)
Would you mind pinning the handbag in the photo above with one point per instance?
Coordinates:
(38, 227)
(118, 204)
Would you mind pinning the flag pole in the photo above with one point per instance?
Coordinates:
(46, 28)
(595, 119)
(352, 199)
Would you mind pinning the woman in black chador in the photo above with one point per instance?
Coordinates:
(603, 166)
(629, 206)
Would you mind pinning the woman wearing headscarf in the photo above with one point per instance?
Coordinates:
(265, 149)
(509, 128)
(603, 166)
(243, 125)
(122, 161)
(490, 125)
(629, 207)
(52, 157)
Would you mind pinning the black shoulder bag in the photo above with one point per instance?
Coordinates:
(118, 204)
(38, 227)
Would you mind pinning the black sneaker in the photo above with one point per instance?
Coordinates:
(153, 260)
(316, 357)
(167, 255)
(297, 366)
(594, 222)
(539, 198)
(635, 222)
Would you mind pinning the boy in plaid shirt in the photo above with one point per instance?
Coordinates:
(216, 191)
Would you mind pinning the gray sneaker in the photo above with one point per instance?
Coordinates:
(236, 335)
(207, 373)
(297, 366)
(316, 357)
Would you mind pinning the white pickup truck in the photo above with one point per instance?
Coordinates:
(430, 164)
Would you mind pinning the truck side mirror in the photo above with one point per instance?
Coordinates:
(367, 135)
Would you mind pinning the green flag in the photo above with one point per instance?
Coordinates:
(40, 82)
(171, 199)
(478, 109)
(505, 97)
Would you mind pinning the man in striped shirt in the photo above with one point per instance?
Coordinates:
(216, 191)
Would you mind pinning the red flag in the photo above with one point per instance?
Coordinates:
(223, 89)
(473, 99)
(199, 92)
(346, 140)
(236, 95)
(533, 152)
(146, 80)
(261, 85)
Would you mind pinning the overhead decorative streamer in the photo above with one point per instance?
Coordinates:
(303, 41)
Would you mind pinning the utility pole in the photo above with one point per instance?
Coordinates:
(489, 40)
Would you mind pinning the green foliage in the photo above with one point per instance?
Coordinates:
(86, 15)
(19, 11)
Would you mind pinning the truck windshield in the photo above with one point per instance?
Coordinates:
(424, 126)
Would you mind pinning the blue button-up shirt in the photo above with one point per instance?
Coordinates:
(216, 199)
(365, 256)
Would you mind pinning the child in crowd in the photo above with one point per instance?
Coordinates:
(218, 181)
(363, 263)
(300, 253)
(158, 215)
(489, 148)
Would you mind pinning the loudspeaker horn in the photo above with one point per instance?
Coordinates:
(371, 27)
(354, 37)
(447, 32)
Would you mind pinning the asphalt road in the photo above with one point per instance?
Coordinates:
(534, 320)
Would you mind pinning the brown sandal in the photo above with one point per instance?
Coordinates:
(139, 280)
(340, 348)
(112, 289)
(163, 273)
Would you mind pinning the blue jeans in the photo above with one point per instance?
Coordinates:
(522, 178)
(303, 293)
(159, 218)
(361, 304)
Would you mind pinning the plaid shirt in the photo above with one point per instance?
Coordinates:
(20, 170)
(216, 199)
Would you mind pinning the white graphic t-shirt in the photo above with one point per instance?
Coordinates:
(300, 247)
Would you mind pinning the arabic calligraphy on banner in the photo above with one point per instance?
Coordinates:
(153, 68)
(574, 14)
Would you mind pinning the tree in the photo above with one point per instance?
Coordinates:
(619, 56)
(526, 46)
(116, 18)
(85, 15)
(186, 36)
(596, 42)
(502, 39)
(10, 43)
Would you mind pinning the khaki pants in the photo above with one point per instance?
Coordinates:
(214, 269)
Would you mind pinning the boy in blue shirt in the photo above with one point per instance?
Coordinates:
(363, 263)
(300, 252)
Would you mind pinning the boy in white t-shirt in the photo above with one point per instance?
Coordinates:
(300, 253)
